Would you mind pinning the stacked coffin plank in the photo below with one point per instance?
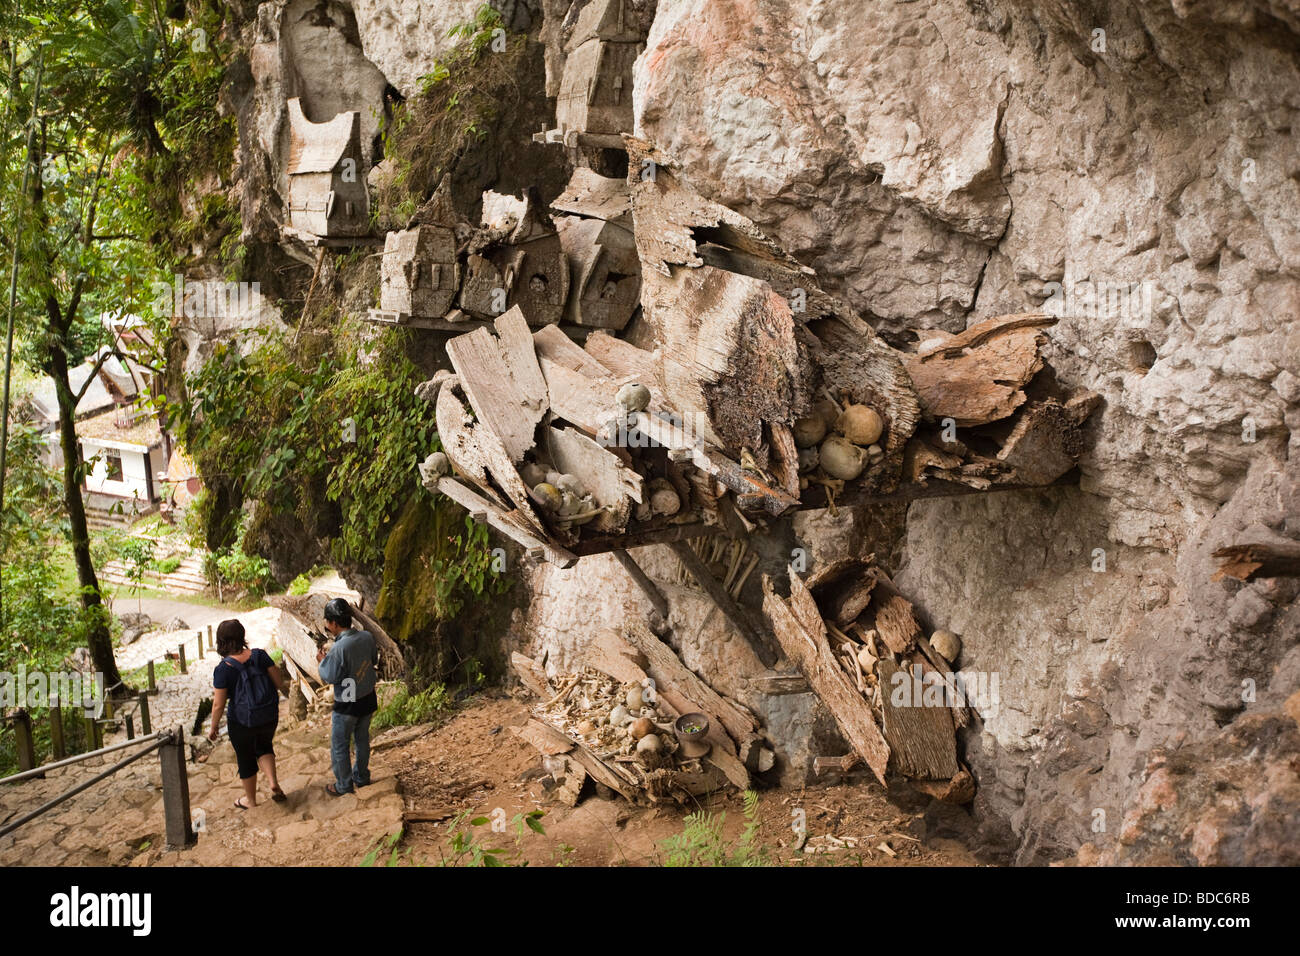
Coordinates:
(753, 374)
(578, 727)
(856, 640)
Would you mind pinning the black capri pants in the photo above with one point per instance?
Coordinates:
(251, 743)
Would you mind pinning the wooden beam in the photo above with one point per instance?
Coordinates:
(725, 602)
(648, 587)
(471, 501)
(1249, 562)
(813, 656)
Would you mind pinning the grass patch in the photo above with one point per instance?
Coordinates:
(404, 708)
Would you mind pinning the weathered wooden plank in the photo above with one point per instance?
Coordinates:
(531, 674)
(625, 361)
(516, 342)
(577, 398)
(977, 376)
(921, 736)
(547, 740)
(815, 659)
(553, 345)
(673, 677)
(895, 622)
(541, 735)
(610, 654)
(1249, 562)
(477, 453)
(500, 402)
(507, 522)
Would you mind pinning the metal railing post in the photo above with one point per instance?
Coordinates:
(130, 727)
(176, 792)
(145, 727)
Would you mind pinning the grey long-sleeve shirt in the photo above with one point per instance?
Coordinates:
(352, 667)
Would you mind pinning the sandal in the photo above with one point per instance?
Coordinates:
(240, 806)
(329, 788)
(278, 795)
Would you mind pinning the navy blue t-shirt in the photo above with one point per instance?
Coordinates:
(226, 676)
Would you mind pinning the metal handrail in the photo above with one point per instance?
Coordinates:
(164, 737)
(37, 771)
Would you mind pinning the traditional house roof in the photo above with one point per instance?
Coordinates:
(318, 147)
(103, 429)
(45, 400)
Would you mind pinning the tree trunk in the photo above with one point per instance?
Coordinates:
(98, 638)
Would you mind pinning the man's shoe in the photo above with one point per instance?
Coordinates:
(330, 789)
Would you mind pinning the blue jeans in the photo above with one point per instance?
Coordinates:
(343, 731)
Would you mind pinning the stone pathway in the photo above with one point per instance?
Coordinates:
(120, 821)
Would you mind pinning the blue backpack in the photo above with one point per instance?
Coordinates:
(255, 701)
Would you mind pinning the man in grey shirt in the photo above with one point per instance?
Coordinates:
(351, 666)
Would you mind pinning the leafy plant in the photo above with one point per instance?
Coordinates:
(407, 708)
(701, 842)
(466, 847)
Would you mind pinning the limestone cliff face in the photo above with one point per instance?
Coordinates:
(1131, 166)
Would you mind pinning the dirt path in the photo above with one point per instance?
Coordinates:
(472, 762)
(120, 822)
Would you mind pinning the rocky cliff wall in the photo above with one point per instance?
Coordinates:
(1131, 166)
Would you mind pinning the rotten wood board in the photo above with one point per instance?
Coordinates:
(554, 346)
(812, 654)
(1262, 559)
(920, 734)
(487, 374)
(476, 452)
(508, 523)
(532, 675)
(520, 355)
(977, 376)
(626, 362)
(895, 622)
(685, 691)
(543, 736)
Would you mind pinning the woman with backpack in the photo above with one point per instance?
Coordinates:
(245, 683)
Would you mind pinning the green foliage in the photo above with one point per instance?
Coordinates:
(279, 429)
(469, 847)
(386, 846)
(249, 573)
(466, 95)
(406, 708)
(167, 565)
(701, 842)
(437, 561)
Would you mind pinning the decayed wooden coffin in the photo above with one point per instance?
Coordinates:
(751, 393)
